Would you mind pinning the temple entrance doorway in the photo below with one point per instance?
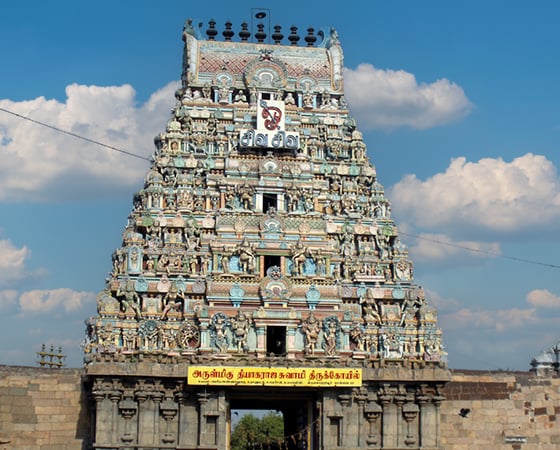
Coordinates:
(296, 409)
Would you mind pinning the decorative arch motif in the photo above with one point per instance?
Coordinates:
(266, 74)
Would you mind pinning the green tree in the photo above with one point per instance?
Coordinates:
(252, 432)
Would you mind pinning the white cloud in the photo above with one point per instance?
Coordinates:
(490, 194)
(12, 262)
(542, 298)
(497, 320)
(41, 301)
(394, 98)
(41, 164)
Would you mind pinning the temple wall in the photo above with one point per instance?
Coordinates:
(45, 409)
(507, 410)
(42, 409)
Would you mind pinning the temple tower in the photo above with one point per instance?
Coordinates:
(260, 267)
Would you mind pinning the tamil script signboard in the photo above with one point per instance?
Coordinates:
(273, 376)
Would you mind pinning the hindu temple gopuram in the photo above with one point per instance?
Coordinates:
(260, 267)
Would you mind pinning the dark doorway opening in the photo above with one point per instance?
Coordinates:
(294, 410)
(276, 340)
(270, 201)
(271, 261)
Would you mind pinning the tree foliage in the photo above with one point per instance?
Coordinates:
(258, 433)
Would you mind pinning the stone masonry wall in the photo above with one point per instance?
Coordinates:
(45, 409)
(42, 409)
(501, 410)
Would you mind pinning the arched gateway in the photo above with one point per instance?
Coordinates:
(260, 268)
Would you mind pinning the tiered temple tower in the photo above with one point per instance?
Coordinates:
(260, 268)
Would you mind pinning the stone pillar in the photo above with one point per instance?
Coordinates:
(427, 423)
(261, 344)
(168, 409)
(203, 398)
(182, 423)
(102, 425)
(281, 203)
(291, 341)
(400, 400)
(410, 416)
(156, 400)
(144, 429)
(204, 335)
(127, 409)
(437, 401)
(390, 421)
(361, 397)
(114, 396)
(372, 412)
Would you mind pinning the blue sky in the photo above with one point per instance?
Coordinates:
(458, 103)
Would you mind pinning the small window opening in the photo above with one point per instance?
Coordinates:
(271, 261)
(270, 201)
(276, 341)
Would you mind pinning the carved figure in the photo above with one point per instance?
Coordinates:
(357, 336)
(130, 300)
(299, 255)
(330, 329)
(218, 332)
(225, 263)
(370, 309)
(245, 193)
(246, 256)
(311, 328)
(173, 300)
(240, 327)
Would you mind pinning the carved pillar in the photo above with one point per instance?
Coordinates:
(181, 419)
(291, 341)
(203, 398)
(426, 438)
(127, 409)
(261, 344)
(141, 398)
(372, 412)
(344, 400)
(399, 400)
(437, 401)
(156, 400)
(204, 336)
(360, 396)
(168, 409)
(410, 414)
(100, 422)
(114, 396)
(390, 423)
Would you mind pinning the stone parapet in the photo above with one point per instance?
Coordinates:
(501, 410)
(42, 409)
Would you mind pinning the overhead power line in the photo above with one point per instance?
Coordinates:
(484, 252)
(77, 136)
(435, 241)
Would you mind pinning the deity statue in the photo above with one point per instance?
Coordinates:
(130, 300)
(240, 328)
(370, 309)
(331, 328)
(246, 256)
(245, 194)
(173, 300)
(311, 328)
(299, 255)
